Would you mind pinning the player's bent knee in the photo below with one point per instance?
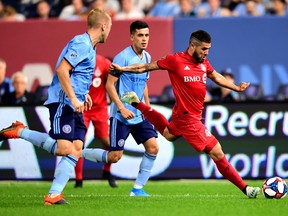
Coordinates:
(114, 157)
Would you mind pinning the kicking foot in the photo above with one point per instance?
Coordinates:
(54, 199)
(111, 179)
(130, 97)
(12, 131)
(252, 192)
(138, 192)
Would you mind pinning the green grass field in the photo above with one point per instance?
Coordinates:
(184, 197)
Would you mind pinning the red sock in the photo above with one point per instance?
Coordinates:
(156, 118)
(226, 169)
(79, 169)
(106, 166)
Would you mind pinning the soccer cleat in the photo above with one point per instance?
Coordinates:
(111, 179)
(130, 97)
(78, 184)
(252, 192)
(11, 131)
(138, 192)
(57, 200)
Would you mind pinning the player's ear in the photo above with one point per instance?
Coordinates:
(104, 26)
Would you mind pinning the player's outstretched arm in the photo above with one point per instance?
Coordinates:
(223, 82)
(135, 68)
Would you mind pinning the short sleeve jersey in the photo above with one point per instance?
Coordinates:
(188, 80)
(97, 89)
(130, 82)
(81, 55)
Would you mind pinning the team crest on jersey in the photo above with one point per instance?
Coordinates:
(66, 129)
(208, 133)
(73, 55)
(203, 67)
(121, 143)
(96, 82)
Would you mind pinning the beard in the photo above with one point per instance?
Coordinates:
(198, 58)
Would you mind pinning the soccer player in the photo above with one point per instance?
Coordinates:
(125, 119)
(67, 99)
(188, 72)
(98, 115)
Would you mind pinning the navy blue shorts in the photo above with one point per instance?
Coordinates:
(119, 132)
(65, 123)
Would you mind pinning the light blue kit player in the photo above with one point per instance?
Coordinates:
(67, 99)
(124, 118)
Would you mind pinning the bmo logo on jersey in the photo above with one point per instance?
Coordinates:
(195, 78)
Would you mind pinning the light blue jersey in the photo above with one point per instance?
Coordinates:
(81, 55)
(130, 82)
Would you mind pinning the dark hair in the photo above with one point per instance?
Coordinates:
(200, 36)
(138, 24)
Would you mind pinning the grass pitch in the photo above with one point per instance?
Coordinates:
(181, 197)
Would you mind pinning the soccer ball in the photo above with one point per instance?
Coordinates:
(274, 188)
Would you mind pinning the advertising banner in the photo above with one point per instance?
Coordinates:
(253, 136)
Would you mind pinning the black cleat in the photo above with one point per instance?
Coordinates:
(78, 184)
(111, 179)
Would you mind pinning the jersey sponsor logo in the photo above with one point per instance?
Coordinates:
(187, 67)
(195, 78)
(192, 78)
(66, 129)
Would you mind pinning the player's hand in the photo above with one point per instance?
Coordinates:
(114, 68)
(88, 102)
(243, 86)
(78, 106)
(127, 114)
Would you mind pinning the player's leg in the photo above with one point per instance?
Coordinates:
(19, 130)
(79, 173)
(145, 133)
(118, 134)
(156, 118)
(228, 172)
(107, 166)
(100, 121)
(80, 163)
(73, 129)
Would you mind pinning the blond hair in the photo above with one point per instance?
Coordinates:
(96, 16)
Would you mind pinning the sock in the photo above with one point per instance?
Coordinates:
(106, 166)
(145, 170)
(226, 169)
(79, 169)
(62, 174)
(156, 118)
(41, 140)
(244, 190)
(95, 155)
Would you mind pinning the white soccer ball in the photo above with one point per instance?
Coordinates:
(274, 188)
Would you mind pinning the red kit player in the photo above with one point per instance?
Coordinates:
(98, 115)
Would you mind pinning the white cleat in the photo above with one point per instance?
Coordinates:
(130, 97)
(252, 192)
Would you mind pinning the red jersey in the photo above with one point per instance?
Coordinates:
(188, 80)
(97, 89)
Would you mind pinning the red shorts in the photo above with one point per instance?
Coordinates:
(195, 133)
(100, 121)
